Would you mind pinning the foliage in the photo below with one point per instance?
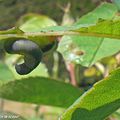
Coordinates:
(97, 103)
(92, 38)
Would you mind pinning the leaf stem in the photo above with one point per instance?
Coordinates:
(58, 33)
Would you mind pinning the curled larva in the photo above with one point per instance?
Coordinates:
(31, 52)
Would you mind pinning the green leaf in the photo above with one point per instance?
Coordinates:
(34, 22)
(93, 48)
(117, 3)
(40, 90)
(97, 103)
(86, 50)
(104, 11)
(5, 73)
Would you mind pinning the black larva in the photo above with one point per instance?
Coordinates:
(31, 51)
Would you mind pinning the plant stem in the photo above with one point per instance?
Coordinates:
(71, 69)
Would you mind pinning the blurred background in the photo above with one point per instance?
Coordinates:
(64, 12)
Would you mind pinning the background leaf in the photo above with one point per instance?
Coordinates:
(117, 3)
(5, 73)
(40, 90)
(34, 22)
